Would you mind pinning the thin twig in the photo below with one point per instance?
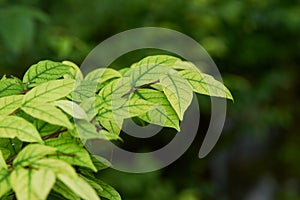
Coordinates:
(54, 135)
(132, 90)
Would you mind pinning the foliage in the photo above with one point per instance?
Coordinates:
(48, 117)
(254, 43)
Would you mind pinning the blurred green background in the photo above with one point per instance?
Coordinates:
(256, 46)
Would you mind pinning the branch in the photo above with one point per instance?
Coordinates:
(139, 87)
(54, 135)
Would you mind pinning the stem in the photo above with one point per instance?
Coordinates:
(139, 87)
(54, 135)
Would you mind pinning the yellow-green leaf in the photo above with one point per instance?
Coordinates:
(84, 89)
(66, 192)
(205, 84)
(162, 113)
(32, 153)
(102, 74)
(55, 165)
(48, 113)
(178, 91)
(74, 72)
(4, 182)
(77, 155)
(31, 184)
(149, 69)
(50, 91)
(10, 86)
(44, 71)
(9, 104)
(2, 161)
(79, 187)
(71, 108)
(12, 126)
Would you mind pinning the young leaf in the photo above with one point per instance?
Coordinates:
(44, 71)
(12, 126)
(50, 91)
(10, 86)
(32, 153)
(48, 113)
(71, 108)
(79, 187)
(9, 104)
(78, 155)
(205, 84)
(178, 91)
(4, 182)
(162, 113)
(86, 130)
(30, 184)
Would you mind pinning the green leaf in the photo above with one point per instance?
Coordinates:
(63, 190)
(178, 91)
(50, 91)
(45, 128)
(55, 165)
(79, 187)
(2, 161)
(48, 113)
(32, 153)
(79, 156)
(92, 183)
(31, 184)
(10, 147)
(205, 84)
(108, 191)
(71, 108)
(9, 104)
(10, 86)
(162, 113)
(12, 126)
(4, 182)
(102, 75)
(5, 153)
(100, 162)
(44, 71)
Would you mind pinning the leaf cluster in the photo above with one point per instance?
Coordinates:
(47, 118)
